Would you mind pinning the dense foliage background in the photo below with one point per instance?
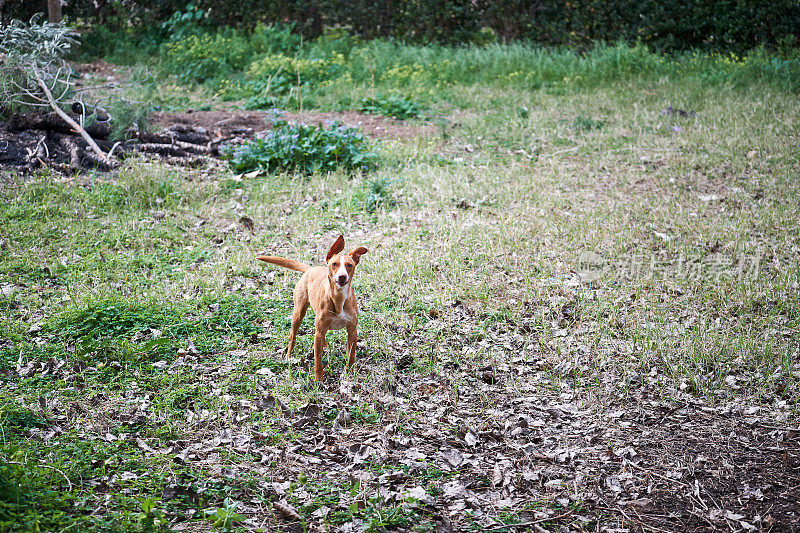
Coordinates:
(718, 25)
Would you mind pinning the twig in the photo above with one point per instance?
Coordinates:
(60, 112)
(110, 152)
(561, 152)
(657, 475)
(777, 428)
(531, 523)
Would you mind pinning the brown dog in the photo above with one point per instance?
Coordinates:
(329, 292)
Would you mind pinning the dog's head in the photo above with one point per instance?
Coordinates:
(341, 267)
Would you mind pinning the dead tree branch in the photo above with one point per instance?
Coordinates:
(93, 145)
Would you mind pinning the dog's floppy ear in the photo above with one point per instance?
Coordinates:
(337, 247)
(357, 253)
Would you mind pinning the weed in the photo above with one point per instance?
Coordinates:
(399, 108)
(365, 414)
(374, 193)
(127, 117)
(225, 517)
(151, 519)
(305, 149)
(582, 123)
(14, 417)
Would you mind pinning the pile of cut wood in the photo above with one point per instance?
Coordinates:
(34, 140)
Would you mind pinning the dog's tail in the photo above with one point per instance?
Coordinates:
(284, 262)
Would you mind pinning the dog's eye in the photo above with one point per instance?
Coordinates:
(335, 264)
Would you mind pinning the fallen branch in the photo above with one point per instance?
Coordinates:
(93, 145)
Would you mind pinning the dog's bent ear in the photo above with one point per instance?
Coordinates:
(357, 253)
(337, 247)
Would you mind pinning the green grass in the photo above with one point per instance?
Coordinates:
(691, 222)
(269, 67)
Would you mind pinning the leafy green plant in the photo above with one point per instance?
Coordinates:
(270, 93)
(374, 193)
(397, 107)
(365, 413)
(226, 516)
(182, 23)
(201, 57)
(305, 149)
(151, 519)
(13, 416)
(582, 123)
(380, 517)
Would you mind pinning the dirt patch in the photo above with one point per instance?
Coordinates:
(232, 123)
(100, 69)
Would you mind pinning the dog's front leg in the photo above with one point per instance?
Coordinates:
(319, 346)
(352, 337)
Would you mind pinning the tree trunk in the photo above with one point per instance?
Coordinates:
(54, 11)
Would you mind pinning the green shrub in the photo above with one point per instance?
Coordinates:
(373, 194)
(582, 123)
(278, 38)
(205, 56)
(400, 108)
(297, 69)
(718, 25)
(303, 148)
(202, 57)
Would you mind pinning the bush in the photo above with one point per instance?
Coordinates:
(199, 58)
(298, 70)
(202, 56)
(31, 53)
(303, 148)
(374, 194)
(400, 108)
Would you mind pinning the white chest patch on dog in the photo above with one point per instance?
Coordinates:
(341, 320)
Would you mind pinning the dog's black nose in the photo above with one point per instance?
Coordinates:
(342, 279)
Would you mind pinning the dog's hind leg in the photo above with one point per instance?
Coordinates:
(297, 318)
(319, 344)
(352, 337)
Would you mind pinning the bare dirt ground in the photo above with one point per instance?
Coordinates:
(231, 123)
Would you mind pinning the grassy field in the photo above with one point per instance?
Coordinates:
(571, 240)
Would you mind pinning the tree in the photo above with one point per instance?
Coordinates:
(54, 11)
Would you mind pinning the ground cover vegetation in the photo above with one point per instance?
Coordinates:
(579, 308)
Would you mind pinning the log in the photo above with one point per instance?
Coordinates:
(167, 136)
(53, 122)
(71, 148)
(161, 149)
